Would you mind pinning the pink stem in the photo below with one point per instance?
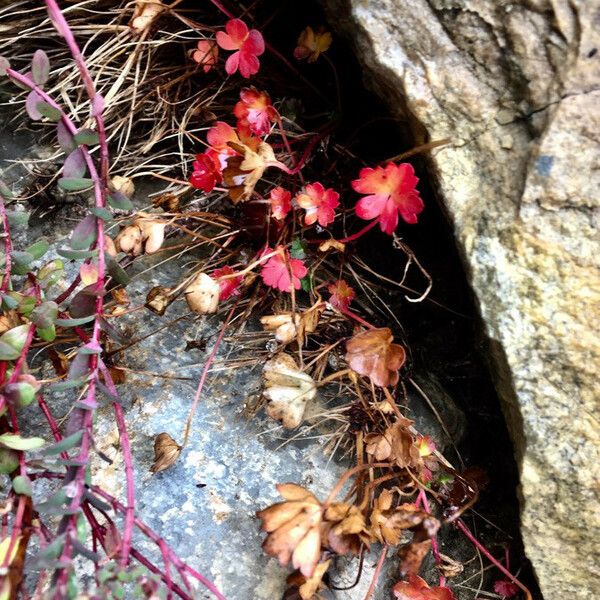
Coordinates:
(359, 233)
(357, 318)
(422, 497)
(376, 574)
(209, 361)
(7, 248)
(460, 524)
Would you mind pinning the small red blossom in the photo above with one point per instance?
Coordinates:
(206, 54)
(207, 172)
(319, 204)
(341, 295)
(228, 287)
(505, 587)
(255, 111)
(416, 588)
(276, 272)
(249, 45)
(392, 190)
(281, 203)
(218, 138)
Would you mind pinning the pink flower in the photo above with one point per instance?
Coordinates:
(249, 45)
(207, 172)
(392, 190)
(281, 203)
(206, 54)
(276, 272)
(255, 110)
(319, 204)
(218, 137)
(341, 294)
(228, 287)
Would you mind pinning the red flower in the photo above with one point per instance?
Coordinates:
(206, 54)
(255, 111)
(276, 272)
(417, 589)
(249, 45)
(218, 137)
(228, 287)
(280, 203)
(319, 204)
(392, 190)
(207, 172)
(505, 587)
(341, 294)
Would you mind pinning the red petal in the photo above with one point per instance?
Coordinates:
(370, 207)
(249, 64)
(255, 43)
(226, 42)
(232, 64)
(238, 30)
(388, 220)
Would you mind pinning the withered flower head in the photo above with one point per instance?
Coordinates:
(129, 240)
(294, 528)
(153, 233)
(166, 452)
(395, 444)
(288, 390)
(373, 354)
(202, 294)
(387, 523)
(345, 529)
(168, 202)
(123, 184)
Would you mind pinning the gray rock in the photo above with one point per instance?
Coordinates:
(515, 86)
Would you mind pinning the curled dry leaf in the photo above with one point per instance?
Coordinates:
(166, 452)
(344, 529)
(395, 444)
(309, 587)
(411, 556)
(158, 299)
(373, 354)
(202, 294)
(288, 390)
(242, 173)
(294, 528)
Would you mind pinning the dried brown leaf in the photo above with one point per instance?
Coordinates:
(294, 529)
(166, 452)
(372, 353)
(344, 529)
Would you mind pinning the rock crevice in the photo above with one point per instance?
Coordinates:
(514, 85)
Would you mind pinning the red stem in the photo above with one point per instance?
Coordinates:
(422, 497)
(460, 524)
(359, 233)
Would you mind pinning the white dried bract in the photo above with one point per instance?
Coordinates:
(285, 326)
(288, 390)
(123, 185)
(202, 294)
(153, 234)
(145, 12)
(129, 240)
(109, 246)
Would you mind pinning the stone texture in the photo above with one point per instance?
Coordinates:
(516, 86)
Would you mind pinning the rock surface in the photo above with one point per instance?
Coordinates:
(516, 87)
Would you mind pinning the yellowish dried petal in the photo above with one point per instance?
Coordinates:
(202, 294)
(166, 452)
